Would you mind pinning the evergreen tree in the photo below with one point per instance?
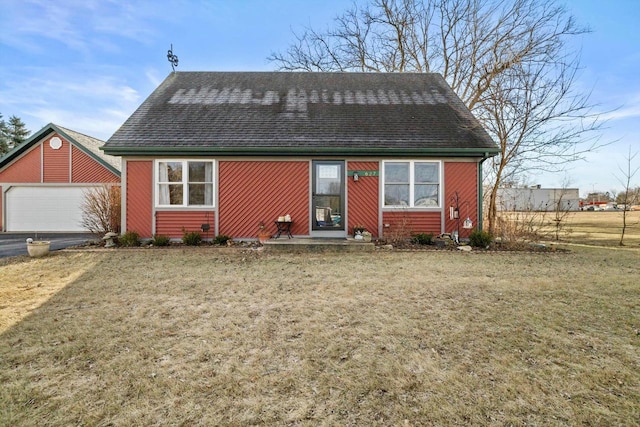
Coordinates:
(4, 137)
(17, 131)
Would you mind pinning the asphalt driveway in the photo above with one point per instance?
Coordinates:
(15, 244)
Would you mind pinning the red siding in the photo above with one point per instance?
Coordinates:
(25, 169)
(363, 198)
(461, 177)
(1, 229)
(138, 198)
(56, 162)
(172, 223)
(404, 223)
(84, 168)
(260, 191)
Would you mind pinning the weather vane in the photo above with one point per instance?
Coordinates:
(173, 59)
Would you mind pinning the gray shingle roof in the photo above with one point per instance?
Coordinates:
(226, 112)
(92, 145)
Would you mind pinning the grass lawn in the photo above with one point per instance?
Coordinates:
(207, 336)
(601, 228)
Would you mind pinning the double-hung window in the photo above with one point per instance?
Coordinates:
(411, 183)
(184, 183)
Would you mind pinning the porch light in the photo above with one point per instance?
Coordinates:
(355, 176)
(454, 212)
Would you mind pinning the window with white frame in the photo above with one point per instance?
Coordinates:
(411, 183)
(184, 183)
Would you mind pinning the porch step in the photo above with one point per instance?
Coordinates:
(317, 245)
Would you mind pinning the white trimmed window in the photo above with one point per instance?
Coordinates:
(411, 184)
(186, 183)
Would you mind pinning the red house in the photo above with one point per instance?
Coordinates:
(44, 179)
(388, 151)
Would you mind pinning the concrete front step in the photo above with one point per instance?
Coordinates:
(318, 244)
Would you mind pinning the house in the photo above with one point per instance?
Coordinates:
(537, 198)
(44, 179)
(226, 151)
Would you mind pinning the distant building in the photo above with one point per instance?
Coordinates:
(538, 199)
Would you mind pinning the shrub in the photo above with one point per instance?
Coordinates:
(129, 239)
(221, 240)
(101, 209)
(191, 238)
(160, 240)
(480, 238)
(422, 239)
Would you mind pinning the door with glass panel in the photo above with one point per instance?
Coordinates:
(327, 195)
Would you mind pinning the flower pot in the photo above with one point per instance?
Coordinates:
(366, 236)
(38, 248)
(264, 236)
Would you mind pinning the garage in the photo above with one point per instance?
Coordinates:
(43, 181)
(44, 208)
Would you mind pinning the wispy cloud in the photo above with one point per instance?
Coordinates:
(94, 104)
(78, 25)
(628, 111)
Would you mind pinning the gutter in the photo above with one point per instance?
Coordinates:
(297, 151)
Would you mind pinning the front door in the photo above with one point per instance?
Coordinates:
(327, 197)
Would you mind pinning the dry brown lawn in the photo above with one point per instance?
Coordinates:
(208, 336)
(601, 228)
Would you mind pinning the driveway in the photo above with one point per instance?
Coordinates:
(14, 244)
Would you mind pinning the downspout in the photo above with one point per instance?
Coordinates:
(480, 191)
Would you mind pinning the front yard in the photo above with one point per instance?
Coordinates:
(220, 336)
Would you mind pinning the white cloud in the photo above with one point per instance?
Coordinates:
(625, 112)
(100, 126)
(79, 25)
(93, 104)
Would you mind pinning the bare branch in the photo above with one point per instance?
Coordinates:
(508, 60)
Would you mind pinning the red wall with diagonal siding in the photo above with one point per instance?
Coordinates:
(138, 197)
(86, 169)
(462, 178)
(251, 192)
(25, 169)
(1, 228)
(56, 162)
(402, 223)
(172, 223)
(363, 198)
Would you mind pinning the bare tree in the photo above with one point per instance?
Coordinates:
(562, 208)
(510, 62)
(101, 209)
(629, 196)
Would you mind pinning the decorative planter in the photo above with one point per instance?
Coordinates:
(38, 248)
(264, 236)
(366, 236)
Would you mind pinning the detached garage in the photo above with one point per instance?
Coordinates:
(43, 181)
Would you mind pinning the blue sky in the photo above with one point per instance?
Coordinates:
(87, 65)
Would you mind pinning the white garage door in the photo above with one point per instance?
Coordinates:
(44, 208)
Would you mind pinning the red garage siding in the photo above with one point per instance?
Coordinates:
(25, 169)
(363, 198)
(56, 162)
(261, 191)
(86, 169)
(172, 223)
(138, 197)
(462, 178)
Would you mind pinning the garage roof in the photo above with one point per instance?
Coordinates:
(89, 145)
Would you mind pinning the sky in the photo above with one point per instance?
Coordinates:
(88, 64)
